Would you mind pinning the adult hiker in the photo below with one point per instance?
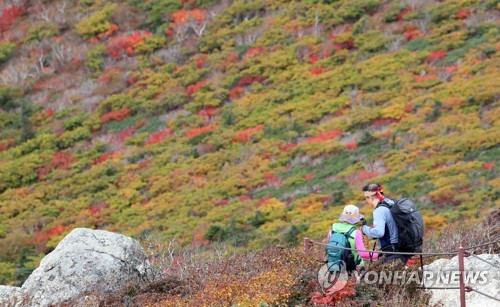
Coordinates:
(384, 226)
(346, 228)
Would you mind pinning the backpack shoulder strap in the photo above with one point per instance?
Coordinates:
(382, 204)
(348, 234)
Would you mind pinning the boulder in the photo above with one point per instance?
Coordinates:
(87, 262)
(10, 296)
(480, 275)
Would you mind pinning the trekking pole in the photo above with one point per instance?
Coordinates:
(373, 249)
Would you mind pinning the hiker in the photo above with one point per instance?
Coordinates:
(349, 217)
(384, 226)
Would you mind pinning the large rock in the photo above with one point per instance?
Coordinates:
(87, 261)
(488, 280)
(10, 296)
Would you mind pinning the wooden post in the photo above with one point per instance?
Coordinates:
(307, 245)
(461, 269)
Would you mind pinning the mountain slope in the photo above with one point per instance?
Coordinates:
(239, 121)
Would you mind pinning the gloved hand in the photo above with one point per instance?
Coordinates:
(363, 221)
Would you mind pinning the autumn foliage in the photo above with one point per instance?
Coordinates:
(9, 16)
(120, 46)
(116, 115)
(239, 123)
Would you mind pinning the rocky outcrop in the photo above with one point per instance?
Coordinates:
(479, 275)
(85, 262)
(10, 296)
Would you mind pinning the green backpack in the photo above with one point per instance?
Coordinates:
(337, 258)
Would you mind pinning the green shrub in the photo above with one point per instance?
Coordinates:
(6, 50)
(418, 44)
(150, 44)
(70, 138)
(9, 96)
(292, 235)
(40, 30)
(454, 56)
(95, 59)
(97, 22)
(73, 123)
(216, 233)
(371, 41)
(157, 10)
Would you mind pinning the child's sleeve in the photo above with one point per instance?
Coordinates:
(361, 246)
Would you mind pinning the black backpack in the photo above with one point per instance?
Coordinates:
(339, 257)
(410, 225)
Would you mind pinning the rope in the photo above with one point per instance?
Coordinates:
(494, 298)
(409, 253)
(467, 289)
(493, 265)
(382, 252)
(481, 245)
(439, 288)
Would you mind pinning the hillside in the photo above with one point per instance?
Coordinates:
(245, 122)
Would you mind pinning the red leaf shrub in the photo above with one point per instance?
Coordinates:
(109, 74)
(96, 208)
(248, 80)
(403, 13)
(243, 136)
(125, 45)
(271, 180)
(363, 175)
(287, 147)
(324, 136)
(314, 58)
(193, 88)
(221, 202)
(488, 165)
(102, 158)
(236, 93)
(308, 177)
(347, 45)
(185, 16)
(118, 115)
(452, 69)
(197, 131)
(316, 70)
(200, 62)
(61, 160)
(384, 121)
(112, 29)
(252, 52)
(106, 156)
(462, 14)
(412, 33)
(340, 296)
(351, 145)
(424, 78)
(10, 15)
(6, 144)
(207, 113)
(436, 56)
(56, 230)
(159, 136)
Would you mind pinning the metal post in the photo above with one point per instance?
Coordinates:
(461, 269)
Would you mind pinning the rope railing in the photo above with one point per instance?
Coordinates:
(482, 293)
(429, 254)
(483, 260)
(481, 245)
(381, 252)
(461, 252)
